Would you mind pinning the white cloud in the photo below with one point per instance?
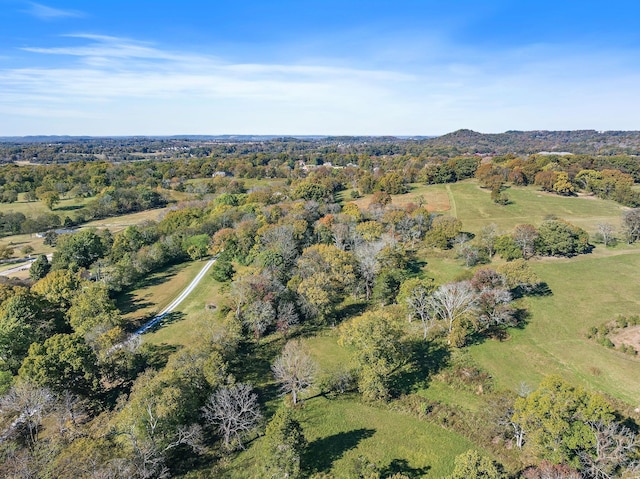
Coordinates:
(44, 12)
(110, 85)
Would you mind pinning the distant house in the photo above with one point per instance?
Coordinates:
(221, 174)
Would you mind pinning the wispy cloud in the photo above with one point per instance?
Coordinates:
(111, 67)
(123, 86)
(44, 12)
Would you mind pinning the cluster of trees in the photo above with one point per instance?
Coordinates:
(575, 430)
(554, 237)
(15, 223)
(608, 178)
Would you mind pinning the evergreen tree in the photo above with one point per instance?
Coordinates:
(284, 444)
(39, 268)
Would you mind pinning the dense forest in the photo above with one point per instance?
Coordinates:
(310, 244)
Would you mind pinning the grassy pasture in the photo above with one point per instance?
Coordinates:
(66, 207)
(118, 223)
(586, 292)
(183, 330)
(436, 198)
(341, 430)
(475, 208)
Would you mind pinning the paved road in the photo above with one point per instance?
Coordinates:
(174, 304)
(23, 266)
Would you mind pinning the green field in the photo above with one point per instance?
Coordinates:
(117, 223)
(339, 431)
(66, 207)
(183, 330)
(587, 291)
(475, 208)
(157, 291)
(343, 429)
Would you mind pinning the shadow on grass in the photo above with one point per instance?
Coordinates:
(322, 453)
(539, 290)
(500, 333)
(156, 356)
(401, 466)
(415, 266)
(427, 358)
(170, 318)
(348, 311)
(128, 303)
(69, 208)
(252, 364)
(156, 278)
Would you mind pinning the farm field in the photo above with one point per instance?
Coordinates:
(474, 207)
(435, 198)
(117, 223)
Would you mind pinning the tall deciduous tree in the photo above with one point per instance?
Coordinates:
(22, 322)
(525, 237)
(234, 412)
(92, 312)
(39, 268)
(416, 294)
(452, 302)
(59, 287)
(294, 369)
(64, 361)
(377, 339)
(614, 452)
(324, 276)
(631, 223)
(556, 419)
(560, 238)
(607, 232)
(78, 250)
(473, 465)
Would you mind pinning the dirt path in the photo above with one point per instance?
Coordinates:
(452, 202)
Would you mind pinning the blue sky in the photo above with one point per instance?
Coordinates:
(402, 67)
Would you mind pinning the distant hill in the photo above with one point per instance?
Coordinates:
(461, 142)
(527, 142)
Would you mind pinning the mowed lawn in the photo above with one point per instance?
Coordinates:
(184, 328)
(66, 207)
(157, 291)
